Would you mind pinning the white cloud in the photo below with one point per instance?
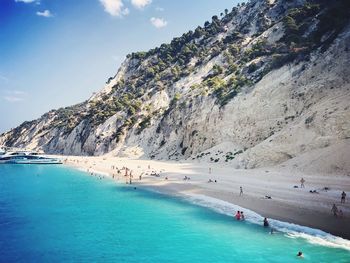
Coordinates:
(160, 9)
(25, 1)
(13, 95)
(140, 3)
(125, 11)
(158, 22)
(115, 7)
(45, 13)
(18, 92)
(12, 98)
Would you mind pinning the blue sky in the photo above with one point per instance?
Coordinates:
(55, 53)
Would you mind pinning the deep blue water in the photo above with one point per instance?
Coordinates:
(58, 214)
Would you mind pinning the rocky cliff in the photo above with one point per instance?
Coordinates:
(266, 83)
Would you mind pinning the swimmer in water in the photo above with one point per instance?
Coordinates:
(300, 254)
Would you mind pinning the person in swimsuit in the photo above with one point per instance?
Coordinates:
(343, 195)
(266, 223)
(238, 215)
(334, 210)
(242, 215)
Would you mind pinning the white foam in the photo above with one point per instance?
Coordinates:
(90, 170)
(312, 235)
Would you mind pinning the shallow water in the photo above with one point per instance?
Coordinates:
(58, 214)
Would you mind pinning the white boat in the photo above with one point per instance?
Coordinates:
(23, 157)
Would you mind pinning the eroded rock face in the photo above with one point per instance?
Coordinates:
(240, 93)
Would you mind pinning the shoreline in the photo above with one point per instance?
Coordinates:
(287, 204)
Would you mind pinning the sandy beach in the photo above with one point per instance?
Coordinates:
(273, 193)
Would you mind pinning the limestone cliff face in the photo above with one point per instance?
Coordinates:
(263, 85)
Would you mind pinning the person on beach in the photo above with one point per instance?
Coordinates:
(266, 223)
(240, 191)
(302, 181)
(209, 170)
(238, 215)
(343, 195)
(341, 214)
(242, 215)
(334, 210)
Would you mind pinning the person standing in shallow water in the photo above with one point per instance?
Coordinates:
(266, 223)
(238, 215)
(242, 215)
(302, 181)
(343, 195)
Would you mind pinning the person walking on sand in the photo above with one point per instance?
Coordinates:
(240, 191)
(343, 195)
(334, 210)
(209, 170)
(302, 181)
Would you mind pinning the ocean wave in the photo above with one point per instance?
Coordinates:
(90, 170)
(312, 235)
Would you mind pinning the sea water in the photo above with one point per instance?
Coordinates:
(59, 214)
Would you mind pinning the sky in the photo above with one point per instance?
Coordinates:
(56, 53)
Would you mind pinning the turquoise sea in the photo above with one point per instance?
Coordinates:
(59, 214)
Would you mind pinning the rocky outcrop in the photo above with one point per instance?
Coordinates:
(263, 85)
